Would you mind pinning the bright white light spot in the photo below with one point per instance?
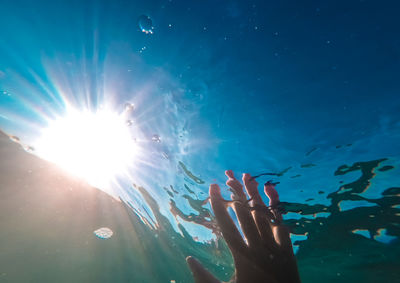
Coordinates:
(103, 233)
(95, 146)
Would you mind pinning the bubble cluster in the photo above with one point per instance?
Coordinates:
(129, 107)
(146, 24)
(103, 233)
(156, 138)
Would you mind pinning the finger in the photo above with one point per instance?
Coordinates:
(235, 185)
(282, 238)
(225, 222)
(242, 211)
(247, 224)
(200, 274)
(281, 232)
(259, 214)
(272, 194)
(264, 227)
(251, 186)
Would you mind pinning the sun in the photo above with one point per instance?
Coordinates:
(95, 146)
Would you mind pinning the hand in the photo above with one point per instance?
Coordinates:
(266, 254)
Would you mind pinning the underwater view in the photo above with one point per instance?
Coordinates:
(124, 125)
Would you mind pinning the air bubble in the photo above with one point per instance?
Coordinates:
(156, 138)
(129, 122)
(129, 107)
(103, 233)
(146, 24)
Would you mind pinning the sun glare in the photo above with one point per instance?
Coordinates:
(95, 146)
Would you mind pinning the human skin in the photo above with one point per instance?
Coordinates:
(266, 253)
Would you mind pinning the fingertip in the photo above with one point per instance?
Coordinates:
(230, 182)
(229, 174)
(200, 274)
(271, 193)
(193, 263)
(214, 187)
(247, 177)
(215, 191)
(190, 259)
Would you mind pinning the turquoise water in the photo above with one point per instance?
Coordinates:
(308, 91)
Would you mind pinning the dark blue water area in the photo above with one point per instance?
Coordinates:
(308, 90)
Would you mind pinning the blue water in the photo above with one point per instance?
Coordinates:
(252, 86)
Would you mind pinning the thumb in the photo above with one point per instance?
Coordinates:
(200, 274)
